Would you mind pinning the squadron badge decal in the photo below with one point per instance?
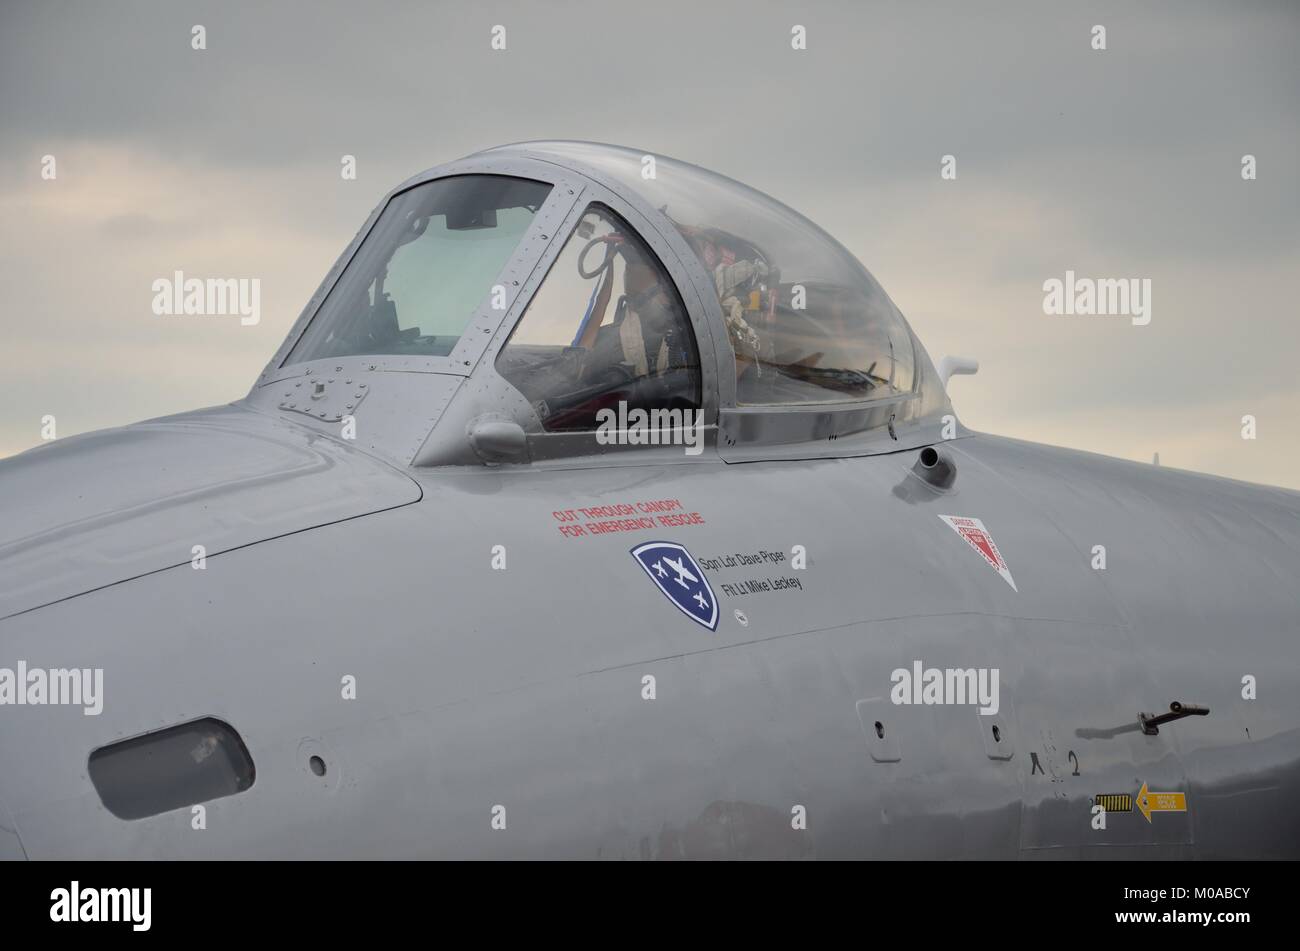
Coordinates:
(973, 530)
(672, 568)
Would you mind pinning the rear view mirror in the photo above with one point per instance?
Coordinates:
(469, 219)
(496, 440)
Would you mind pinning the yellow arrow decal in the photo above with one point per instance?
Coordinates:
(1149, 802)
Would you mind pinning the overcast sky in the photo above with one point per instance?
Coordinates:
(1122, 163)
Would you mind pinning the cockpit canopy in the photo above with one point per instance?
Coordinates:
(806, 322)
(584, 278)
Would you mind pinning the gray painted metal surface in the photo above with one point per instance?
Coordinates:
(521, 694)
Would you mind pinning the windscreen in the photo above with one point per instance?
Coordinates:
(424, 269)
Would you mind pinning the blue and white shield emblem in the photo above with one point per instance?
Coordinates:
(678, 576)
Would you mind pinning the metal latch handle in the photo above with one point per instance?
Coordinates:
(1151, 722)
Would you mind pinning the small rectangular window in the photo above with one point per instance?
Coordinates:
(172, 768)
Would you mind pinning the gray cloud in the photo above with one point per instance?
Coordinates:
(1116, 163)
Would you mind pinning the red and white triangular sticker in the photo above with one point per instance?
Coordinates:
(973, 530)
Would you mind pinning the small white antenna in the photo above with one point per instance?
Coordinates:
(952, 366)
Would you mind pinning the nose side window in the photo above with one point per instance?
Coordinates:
(606, 330)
